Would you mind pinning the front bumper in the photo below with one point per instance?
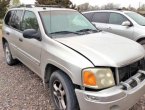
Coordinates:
(114, 98)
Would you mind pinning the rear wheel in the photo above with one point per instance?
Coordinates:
(8, 56)
(62, 92)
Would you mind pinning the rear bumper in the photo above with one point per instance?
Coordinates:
(114, 98)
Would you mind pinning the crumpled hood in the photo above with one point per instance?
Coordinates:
(105, 49)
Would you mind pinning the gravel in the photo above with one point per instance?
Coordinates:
(21, 89)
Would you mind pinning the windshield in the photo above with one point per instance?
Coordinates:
(137, 18)
(65, 22)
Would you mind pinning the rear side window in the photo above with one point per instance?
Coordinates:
(89, 16)
(101, 17)
(8, 17)
(16, 19)
(29, 21)
(116, 18)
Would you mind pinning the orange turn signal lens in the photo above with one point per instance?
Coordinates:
(89, 78)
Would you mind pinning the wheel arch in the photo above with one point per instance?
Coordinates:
(49, 69)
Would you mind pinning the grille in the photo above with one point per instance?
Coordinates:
(130, 70)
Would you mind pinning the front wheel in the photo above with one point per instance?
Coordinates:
(62, 92)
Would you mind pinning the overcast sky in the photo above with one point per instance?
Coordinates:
(122, 3)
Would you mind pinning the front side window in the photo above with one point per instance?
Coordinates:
(29, 21)
(16, 19)
(65, 22)
(137, 18)
(101, 17)
(117, 19)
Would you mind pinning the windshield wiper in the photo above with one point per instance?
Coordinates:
(65, 32)
(86, 30)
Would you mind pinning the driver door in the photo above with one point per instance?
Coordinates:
(30, 48)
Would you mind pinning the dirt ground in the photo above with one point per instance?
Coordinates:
(20, 88)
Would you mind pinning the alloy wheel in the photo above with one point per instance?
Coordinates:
(59, 95)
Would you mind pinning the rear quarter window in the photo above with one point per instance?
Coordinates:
(8, 17)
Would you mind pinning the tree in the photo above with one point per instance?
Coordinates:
(15, 2)
(131, 8)
(3, 7)
(83, 7)
(64, 3)
(141, 8)
(45, 2)
(93, 8)
(110, 6)
(73, 6)
(124, 8)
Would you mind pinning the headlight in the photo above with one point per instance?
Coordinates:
(98, 78)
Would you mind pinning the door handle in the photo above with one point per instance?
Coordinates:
(20, 39)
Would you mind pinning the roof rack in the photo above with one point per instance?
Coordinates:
(23, 5)
(55, 6)
(36, 5)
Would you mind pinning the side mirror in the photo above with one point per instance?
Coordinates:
(31, 34)
(126, 23)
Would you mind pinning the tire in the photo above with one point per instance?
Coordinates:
(62, 92)
(8, 56)
(142, 42)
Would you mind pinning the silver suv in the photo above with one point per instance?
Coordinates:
(84, 68)
(125, 23)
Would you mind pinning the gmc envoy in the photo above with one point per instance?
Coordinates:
(84, 68)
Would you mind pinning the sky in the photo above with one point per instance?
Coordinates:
(122, 3)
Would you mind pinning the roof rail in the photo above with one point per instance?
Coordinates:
(23, 5)
(55, 6)
(36, 5)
